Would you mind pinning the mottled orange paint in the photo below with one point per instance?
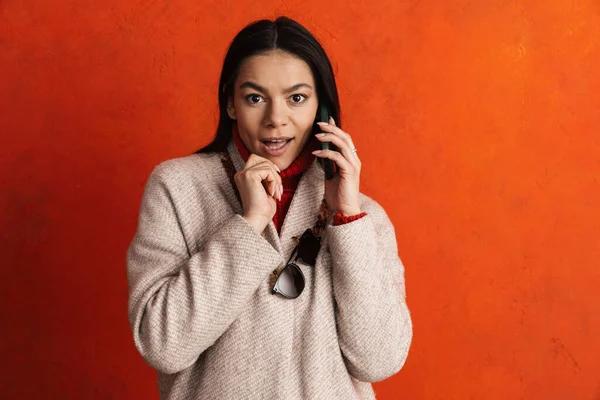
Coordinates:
(477, 123)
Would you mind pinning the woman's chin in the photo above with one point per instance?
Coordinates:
(282, 161)
(281, 164)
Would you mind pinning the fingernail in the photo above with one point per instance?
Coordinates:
(331, 121)
(320, 134)
(316, 151)
(277, 168)
(321, 123)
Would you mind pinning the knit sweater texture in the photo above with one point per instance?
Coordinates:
(200, 303)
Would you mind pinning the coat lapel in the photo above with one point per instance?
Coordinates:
(304, 208)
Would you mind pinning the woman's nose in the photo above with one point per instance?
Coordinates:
(276, 114)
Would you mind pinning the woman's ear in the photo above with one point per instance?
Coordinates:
(231, 109)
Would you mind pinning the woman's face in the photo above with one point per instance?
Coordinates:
(274, 99)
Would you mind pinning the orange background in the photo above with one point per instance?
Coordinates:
(477, 123)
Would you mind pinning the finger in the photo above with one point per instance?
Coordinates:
(275, 188)
(344, 165)
(270, 188)
(267, 176)
(255, 161)
(342, 145)
(328, 128)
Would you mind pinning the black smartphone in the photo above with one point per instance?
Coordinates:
(329, 166)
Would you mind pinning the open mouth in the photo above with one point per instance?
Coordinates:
(276, 144)
(275, 147)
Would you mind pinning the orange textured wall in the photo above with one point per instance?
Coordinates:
(477, 123)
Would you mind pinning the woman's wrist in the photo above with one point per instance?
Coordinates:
(349, 211)
(258, 224)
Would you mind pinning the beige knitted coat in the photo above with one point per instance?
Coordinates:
(200, 302)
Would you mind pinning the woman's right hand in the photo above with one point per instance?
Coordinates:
(259, 184)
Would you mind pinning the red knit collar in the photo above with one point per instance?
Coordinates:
(300, 164)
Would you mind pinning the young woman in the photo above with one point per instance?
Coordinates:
(252, 274)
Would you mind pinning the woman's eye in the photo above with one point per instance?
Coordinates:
(298, 98)
(253, 98)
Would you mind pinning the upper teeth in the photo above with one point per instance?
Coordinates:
(275, 141)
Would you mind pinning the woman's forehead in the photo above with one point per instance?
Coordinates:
(275, 71)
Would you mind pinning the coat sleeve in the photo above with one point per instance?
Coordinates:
(180, 304)
(373, 320)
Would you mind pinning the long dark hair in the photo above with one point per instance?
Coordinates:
(263, 36)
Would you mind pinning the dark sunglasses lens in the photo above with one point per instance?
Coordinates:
(290, 282)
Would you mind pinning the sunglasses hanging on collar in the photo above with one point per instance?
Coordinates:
(290, 280)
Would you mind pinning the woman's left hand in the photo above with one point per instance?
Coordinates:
(341, 192)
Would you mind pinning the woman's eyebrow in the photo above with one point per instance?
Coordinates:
(259, 88)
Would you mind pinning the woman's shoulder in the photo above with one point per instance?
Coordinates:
(197, 166)
(187, 177)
